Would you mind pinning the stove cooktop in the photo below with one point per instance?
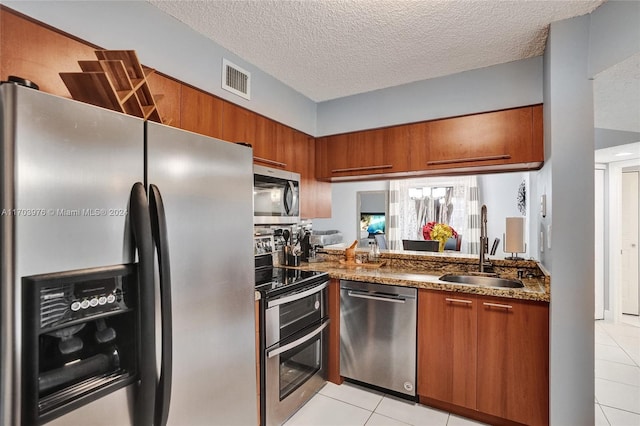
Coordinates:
(273, 281)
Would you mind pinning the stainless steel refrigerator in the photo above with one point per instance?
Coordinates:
(122, 303)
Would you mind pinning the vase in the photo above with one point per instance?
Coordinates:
(441, 245)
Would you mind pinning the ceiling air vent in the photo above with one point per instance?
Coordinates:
(235, 79)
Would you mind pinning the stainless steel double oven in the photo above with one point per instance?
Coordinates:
(293, 339)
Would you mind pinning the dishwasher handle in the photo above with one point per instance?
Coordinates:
(377, 296)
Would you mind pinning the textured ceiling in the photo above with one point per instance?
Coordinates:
(327, 49)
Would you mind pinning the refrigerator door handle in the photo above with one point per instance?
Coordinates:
(140, 226)
(159, 230)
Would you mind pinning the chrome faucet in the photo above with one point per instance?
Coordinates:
(484, 240)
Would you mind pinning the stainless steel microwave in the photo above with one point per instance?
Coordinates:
(276, 196)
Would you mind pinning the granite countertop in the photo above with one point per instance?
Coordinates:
(420, 270)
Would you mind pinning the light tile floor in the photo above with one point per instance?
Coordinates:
(617, 375)
(617, 399)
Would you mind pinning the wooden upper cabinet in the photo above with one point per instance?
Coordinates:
(493, 141)
(315, 196)
(200, 112)
(498, 138)
(513, 359)
(370, 152)
(242, 125)
(267, 147)
(38, 53)
(447, 340)
(167, 94)
(238, 124)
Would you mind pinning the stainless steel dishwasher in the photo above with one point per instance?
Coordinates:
(378, 335)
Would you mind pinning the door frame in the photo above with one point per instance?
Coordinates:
(615, 244)
(600, 276)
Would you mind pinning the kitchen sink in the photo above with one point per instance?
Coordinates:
(482, 280)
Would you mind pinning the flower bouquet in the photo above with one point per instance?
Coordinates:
(438, 231)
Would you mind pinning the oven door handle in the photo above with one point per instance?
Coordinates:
(297, 296)
(298, 342)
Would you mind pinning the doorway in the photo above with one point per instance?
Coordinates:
(616, 233)
(629, 244)
(372, 213)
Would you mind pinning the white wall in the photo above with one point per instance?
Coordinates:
(499, 193)
(343, 207)
(166, 44)
(569, 128)
(576, 50)
(486, 89)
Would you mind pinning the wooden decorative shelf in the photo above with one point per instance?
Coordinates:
(117, 81)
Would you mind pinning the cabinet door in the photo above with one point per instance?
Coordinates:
(241, 125)
(238, 124)
(447, 333)
(480, 140)
(369, 152)
(513, 360)
(267, 147)
(200, 112)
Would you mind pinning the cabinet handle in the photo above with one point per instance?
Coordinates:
(357, 169)
(470, 159)
(267, 161)
(468, 302)
(497, 305)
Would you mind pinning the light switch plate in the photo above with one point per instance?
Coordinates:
(549, 236)
(541, 241)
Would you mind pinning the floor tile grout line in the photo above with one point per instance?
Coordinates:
(346, 402)
(619, 409)
(627, 353)
(615, 381)
(392, 418)
(604, 414)
(617, 362)
(368, 418)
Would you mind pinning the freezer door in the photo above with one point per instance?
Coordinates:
(207, 189)
(68, 169)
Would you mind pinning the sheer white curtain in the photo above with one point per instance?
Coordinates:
(407, 215)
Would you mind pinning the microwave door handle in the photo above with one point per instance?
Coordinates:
(298, 342)
(159, 231)
(140, 225)
(294, 200)
(288, 189)
(297, 296)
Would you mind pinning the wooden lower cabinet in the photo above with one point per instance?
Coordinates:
(513, 360)
(484, 357)
(447, 326)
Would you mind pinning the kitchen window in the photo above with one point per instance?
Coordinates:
(451, 200)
